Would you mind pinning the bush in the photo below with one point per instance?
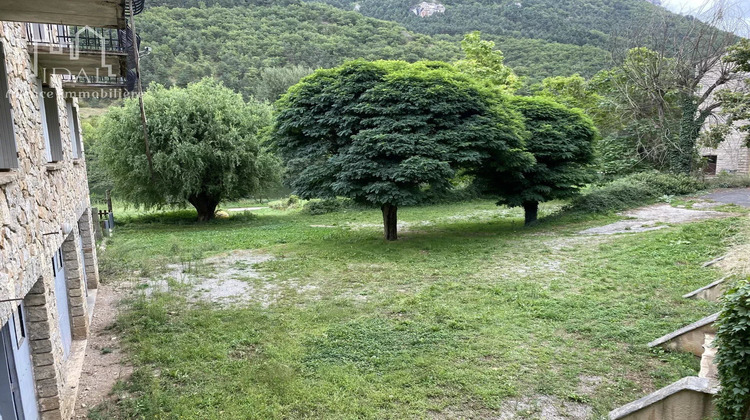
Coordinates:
(329, 205)
(633, 191)
(286, 203)
(733, 357)
(727, 180)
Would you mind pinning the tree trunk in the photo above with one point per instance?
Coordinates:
(204, 205)
(530, 212)
(389, 222)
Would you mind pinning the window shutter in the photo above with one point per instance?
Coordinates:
(53, 124)
(72, 128)
(45, 129)
(77, 131)
(8, 151)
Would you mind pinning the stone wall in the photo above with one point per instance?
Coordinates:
(43, 207)
(732, 155)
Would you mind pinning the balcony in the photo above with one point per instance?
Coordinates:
(96, 13)
(87, 58)
(95, 87)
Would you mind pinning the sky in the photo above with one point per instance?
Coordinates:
(738, 11)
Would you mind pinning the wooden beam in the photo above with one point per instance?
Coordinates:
(95, 13)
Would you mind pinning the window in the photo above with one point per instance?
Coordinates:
(8, 152)
(20, 324)
(57, 263)
(75, 134)
(50, 123)
(38, 32)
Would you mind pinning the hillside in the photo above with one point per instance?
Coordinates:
(234, 44)
(576, 22)
(235, 40)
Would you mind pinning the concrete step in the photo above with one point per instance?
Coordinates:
(711, 292)
(690, 398)
(689, 338)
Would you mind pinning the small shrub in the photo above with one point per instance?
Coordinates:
(733, 357)
(330, 205)
(727, 180)
(292, 202)
(633, 191)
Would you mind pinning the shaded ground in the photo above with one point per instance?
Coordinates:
(654, 217)
(738, 196)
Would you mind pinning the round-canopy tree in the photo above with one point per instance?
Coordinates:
(562, 141)
(205, 141)
(384, 132)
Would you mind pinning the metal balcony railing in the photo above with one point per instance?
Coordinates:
(138, 6)
(81, 38)
(102, 80)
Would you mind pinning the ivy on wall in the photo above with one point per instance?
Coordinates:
(733, 358)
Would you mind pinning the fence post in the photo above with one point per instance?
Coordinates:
(111, 216)
(97, 225)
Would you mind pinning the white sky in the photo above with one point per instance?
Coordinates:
(737, 11)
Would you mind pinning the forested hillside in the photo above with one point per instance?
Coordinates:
(235, 40)
(235, 44)
(577, 22)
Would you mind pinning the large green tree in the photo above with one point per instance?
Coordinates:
(205, 142)
(562, 142)
(485, 64)
(386, 132)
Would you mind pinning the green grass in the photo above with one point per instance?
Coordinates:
(465, 311)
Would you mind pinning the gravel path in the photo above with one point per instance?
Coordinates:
(654, 217)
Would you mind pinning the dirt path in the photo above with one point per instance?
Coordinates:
(655, 217)
(104, 364)
(238, 209)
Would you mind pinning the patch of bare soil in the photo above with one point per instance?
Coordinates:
(543, 407)
(230, 279)
(654, 217)
(104, 363)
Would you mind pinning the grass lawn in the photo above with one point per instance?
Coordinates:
(466, 313)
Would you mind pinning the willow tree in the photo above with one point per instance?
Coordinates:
(386, 133)
(205, 142)
(562, 142)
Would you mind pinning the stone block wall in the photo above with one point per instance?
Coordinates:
(43, 207)
(732, 155)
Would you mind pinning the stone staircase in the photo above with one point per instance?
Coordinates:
(690, 398)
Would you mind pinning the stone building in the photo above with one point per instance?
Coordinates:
(731, 155)
(49, 58)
